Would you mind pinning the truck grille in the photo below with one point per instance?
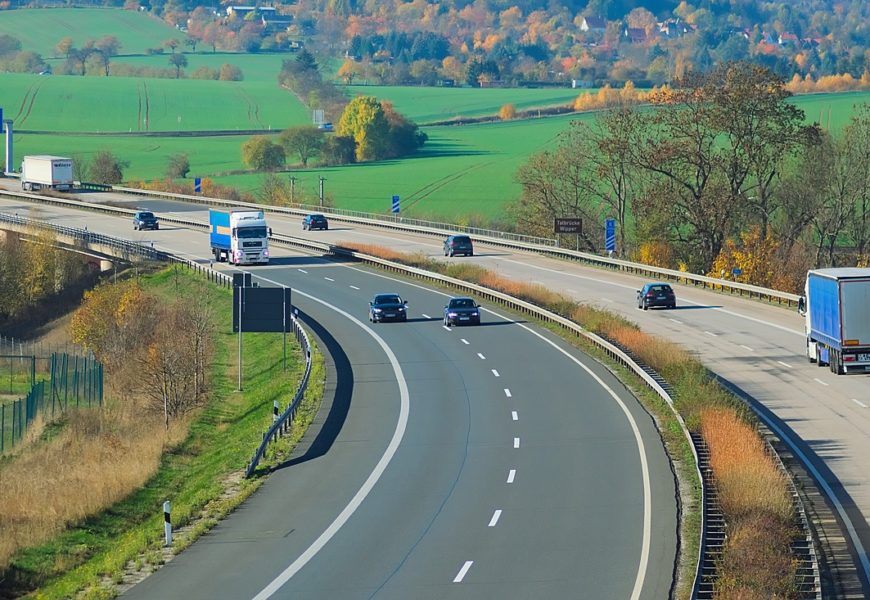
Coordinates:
(252, 244)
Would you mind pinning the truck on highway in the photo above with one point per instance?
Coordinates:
(239, 236)
(49, 172)
(836, 305)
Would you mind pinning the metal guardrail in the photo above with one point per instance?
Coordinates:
(283, 422)
(539, 245)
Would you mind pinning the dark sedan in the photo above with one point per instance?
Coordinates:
(461, 311)
(145, 220)
(310, 222)
(388, 307)
(656, 294)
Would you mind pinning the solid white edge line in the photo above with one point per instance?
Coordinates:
(495, 517)
(514, 415)
(507, 393)
(784, 364)
(495, 373)
(516, 442)
(463, 571)
(511, 475)
(374, 476)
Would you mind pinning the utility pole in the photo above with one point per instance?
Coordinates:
(322, 179)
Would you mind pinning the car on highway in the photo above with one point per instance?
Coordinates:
(656, 294)
(310, 222)
(461, 311)
(325, 127)
(144, 219)
(458, 244)
(388, 307)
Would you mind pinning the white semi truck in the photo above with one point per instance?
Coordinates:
(239, 236)
(47, 172)
(837, 311)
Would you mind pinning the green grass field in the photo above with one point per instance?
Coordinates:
(40, 29)
(126, 104)
(255, 67)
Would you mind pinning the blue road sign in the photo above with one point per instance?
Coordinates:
(395, 204)
(197, 185)
(737, 271)
(610, 235)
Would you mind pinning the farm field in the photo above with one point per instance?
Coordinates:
(40, 29)
(255, 67)
(126, 104)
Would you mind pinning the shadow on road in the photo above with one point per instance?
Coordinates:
(340, 378)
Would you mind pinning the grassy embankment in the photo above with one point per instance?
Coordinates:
(90, 490)
(753, 493)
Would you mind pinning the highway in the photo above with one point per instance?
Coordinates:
(477, 462)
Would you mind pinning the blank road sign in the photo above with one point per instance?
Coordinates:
(263, 309)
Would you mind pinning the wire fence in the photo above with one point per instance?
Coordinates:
(65, 381)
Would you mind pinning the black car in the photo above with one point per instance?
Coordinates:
(145, 220)
(388, 307)
(458, 244)
(460, 311)
(656, 294)
(310, 222)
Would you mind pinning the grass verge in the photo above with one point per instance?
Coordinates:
(194, 469)
(754, 493)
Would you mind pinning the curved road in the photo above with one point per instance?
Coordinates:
(512, 467)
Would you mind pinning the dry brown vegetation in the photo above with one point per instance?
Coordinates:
(753, 492)
(94, 461)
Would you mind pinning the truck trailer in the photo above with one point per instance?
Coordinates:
(837, 310)
(47, 172)
(239, 236)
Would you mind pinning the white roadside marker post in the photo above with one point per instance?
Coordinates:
(167, 523)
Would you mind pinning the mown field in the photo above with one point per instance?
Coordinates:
(40, 29)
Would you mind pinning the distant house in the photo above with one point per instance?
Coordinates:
(672, 28)
(769, 38)
(243, 11)
(593, 25)
(636, 35)
(272, 23)
(788, 39)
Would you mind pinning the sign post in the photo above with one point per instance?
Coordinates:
(569, 225)
(610, 236)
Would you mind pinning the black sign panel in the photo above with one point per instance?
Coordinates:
(262, 309)
(242, 279)
(568, 225)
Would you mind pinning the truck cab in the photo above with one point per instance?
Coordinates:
(239, 236)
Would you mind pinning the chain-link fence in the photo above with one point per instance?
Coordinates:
(68, 381)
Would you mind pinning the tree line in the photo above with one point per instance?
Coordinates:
(721, 173)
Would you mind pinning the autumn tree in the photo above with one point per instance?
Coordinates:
(363, 120)
(262, 154)
(106, 48)
(64, 47)
(178, 61)
(338, 150)
(172, 44)
(349, 70)
(178, 166)
(106, 168)
(230, 72)
(305, 141)
(507, 112)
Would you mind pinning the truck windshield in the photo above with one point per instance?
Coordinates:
(251, 232)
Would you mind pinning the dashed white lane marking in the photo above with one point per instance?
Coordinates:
(511, 475)
(859, 403)
(446, 327)
(514, 415)
(464, 341)
(425, 316)
(495, 517)
(507, 393)
(463, 571)
(784, 364)
(329, 279)
(516, 442)
(494, 372)
(820, 381)
(675, 321)
(710, 333)
(482, 357)
(302, 270)
(354, 287)
(747, 347)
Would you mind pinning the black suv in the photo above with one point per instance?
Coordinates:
(145, 220)
(656, 294)
(458, 244)
(310, 222)
(388, 307)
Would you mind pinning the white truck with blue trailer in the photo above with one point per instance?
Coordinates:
(837, 311)
(239, 236)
